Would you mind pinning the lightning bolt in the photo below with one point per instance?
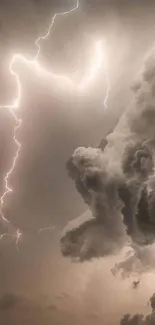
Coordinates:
(95, 67)
(50, 27)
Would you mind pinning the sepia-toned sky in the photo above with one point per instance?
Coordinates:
(37, 284)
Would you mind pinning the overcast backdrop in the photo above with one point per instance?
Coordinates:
(37, 284)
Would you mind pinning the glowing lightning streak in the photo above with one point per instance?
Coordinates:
(16, 104)
(18, 124)
(108, 88)
(7, 188)
(50, 27)
(94, 68)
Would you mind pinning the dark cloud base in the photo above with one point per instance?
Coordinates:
(141, 319)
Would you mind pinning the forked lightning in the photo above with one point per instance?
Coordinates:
(95, 67)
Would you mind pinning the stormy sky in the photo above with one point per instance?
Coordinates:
(38, 285)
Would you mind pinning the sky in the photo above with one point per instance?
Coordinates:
(38, 284)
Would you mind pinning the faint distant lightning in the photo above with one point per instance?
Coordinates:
(96, 65)
(17, 236)
(108, 87)
(46, 229)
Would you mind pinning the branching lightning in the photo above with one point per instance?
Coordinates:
(95, 67)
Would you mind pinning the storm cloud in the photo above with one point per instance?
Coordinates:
(140, 319)
(117, 180)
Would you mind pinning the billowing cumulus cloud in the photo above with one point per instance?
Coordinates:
(117, 182)
(140, 319)
(97, 236)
